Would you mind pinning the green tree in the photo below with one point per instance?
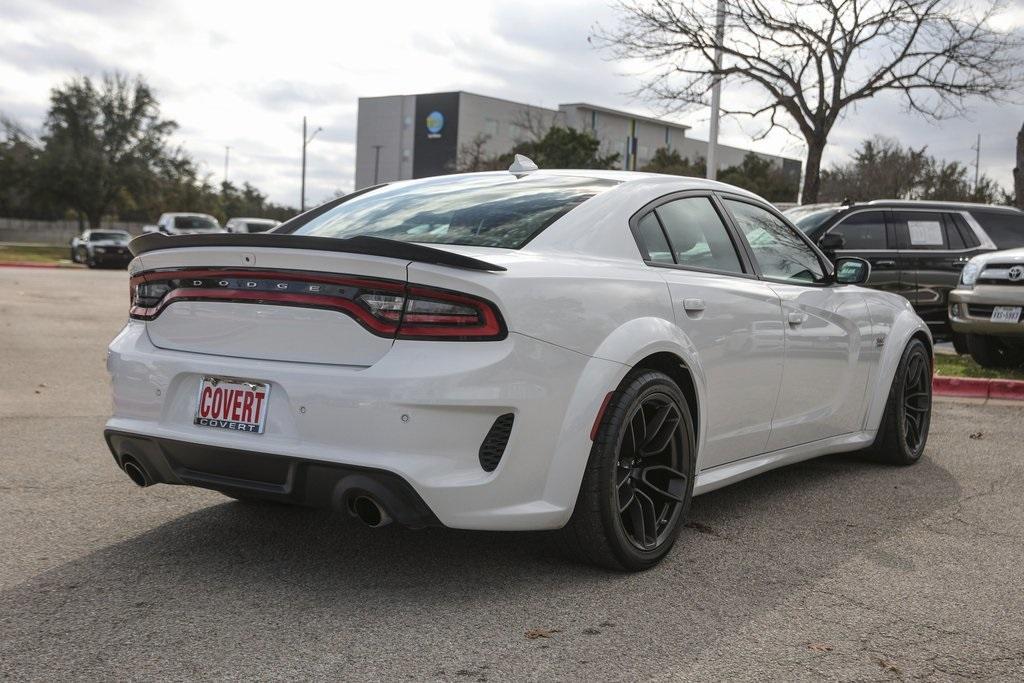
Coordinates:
(668, 161)
(882, 168)
(102, 144)
(763, 178)
(563, 148)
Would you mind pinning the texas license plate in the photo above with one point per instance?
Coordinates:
(1005, 314)
(228, 403)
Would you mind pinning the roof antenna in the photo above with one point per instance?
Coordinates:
(521, 166)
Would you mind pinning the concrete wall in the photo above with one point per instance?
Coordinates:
(388, 122)
(504, 122)
(56, 233)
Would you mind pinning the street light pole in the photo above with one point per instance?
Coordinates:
(716, 95)
(305, 143)
(376, 163)
(227, 157)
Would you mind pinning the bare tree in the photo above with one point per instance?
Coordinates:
(812, 59)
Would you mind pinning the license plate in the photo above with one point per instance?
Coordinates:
(1005, 314)
(236, 404)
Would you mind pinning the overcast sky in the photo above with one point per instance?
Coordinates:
(243, 75)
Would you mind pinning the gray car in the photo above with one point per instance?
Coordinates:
(101, 248)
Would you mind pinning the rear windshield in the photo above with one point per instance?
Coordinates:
(111, 235)
(259, 226)
(1005, 229)
(491, 210)
(195, 223)
(809, 221)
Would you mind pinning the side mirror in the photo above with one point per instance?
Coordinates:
(831, 242)
(852, 271)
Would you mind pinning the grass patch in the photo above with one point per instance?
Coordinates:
(964, 366)
(9, 253)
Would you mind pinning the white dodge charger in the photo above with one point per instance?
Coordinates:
(575, 350)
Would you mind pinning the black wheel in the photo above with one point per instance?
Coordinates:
(903, 433)
(639, 479)
(993, 352)
(960, 343)
(82, 256)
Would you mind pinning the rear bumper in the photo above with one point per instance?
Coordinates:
(421, 413)
(271, 477)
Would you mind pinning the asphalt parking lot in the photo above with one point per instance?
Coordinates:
(836, 569)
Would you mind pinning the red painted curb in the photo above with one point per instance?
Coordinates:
(963, 387)
(975, 387)
(36, 264)
(1007, 389)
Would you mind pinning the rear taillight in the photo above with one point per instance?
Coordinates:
(384, 307)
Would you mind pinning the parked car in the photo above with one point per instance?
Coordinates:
(251, 225)
(101, 248)
(915, 248)
(987, 305)
(522, 350)
(187, 224)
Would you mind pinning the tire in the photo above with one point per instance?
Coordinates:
(903, 432)
(960, 344)
(993, 352)
(82, 256)
(652, 489)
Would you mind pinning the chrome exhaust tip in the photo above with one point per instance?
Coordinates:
(135, 472)
(369, 511)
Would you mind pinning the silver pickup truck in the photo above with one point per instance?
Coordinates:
(986, 306)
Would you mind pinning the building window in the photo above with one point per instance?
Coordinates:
(491, 127)
(406, 154)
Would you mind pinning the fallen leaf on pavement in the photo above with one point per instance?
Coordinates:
(977, 435)
(819, 647)
(535, 633)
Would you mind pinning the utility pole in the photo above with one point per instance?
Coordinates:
(376, 163)
(227, 157)
(716, 94)
(305, 143)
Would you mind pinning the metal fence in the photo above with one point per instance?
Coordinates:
(22, 231)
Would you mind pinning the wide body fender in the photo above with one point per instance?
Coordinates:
(904, 325)
(616, 355)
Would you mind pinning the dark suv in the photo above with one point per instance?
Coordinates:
(915, 248)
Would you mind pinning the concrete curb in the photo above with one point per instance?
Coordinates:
(37, 264)
(974, 387)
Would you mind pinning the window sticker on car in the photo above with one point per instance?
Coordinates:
(925, 233)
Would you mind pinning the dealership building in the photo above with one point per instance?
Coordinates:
(415, 136)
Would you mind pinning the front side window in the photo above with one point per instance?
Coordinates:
(778, 249)
(486, 210)
(863, 231)
(697, 235)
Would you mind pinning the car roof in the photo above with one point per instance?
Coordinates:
(934, 204)
(244, 218)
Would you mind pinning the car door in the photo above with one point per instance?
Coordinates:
(732, 319)
(934, 253)
(867, 235)
(827, 331)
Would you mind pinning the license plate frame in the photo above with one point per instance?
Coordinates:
(230, 398)
(1005, 314)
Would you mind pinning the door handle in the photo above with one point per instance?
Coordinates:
(693, 305)
(796, 317)
(885, 262)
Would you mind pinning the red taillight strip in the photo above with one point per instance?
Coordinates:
(404, 325)
(333, 303)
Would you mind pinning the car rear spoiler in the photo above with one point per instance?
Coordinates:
(363, 244)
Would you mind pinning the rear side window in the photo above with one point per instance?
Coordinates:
(969, 237)
(920, 229)
(483, 210)
(653, 239)
(1005, 229)
(953, 238)
(697, 235)
(863, 231)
